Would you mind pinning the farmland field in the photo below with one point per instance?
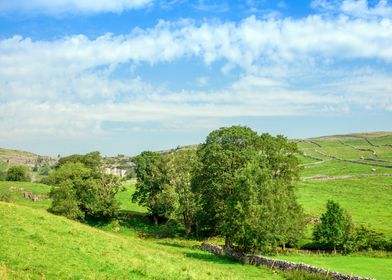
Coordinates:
(37, 244)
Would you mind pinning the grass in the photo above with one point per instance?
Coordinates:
(368, 200)
(35, 188)
(379, 268)
(36, 244)
(125, 199)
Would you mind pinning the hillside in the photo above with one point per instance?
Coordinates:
(38, 245)
(355, 170)
(17, 157)
(351, 169)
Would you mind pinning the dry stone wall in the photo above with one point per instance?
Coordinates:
(274, 263)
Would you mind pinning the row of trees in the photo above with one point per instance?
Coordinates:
(237, 184)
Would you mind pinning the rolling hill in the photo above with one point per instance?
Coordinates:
(354, 170)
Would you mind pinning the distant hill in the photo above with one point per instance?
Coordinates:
(16, 157)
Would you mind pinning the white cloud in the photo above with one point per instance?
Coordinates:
(72, 6)
(355, 8)
(69, 87)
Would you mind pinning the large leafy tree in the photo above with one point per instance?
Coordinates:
(81, 190)
(335, 229)
(225, 152)
(246, 188)
(180, 166)
(263, 211)
(152, 188)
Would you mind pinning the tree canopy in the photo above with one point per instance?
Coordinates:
(18, 173)
(238, 184)
(335, 229)
(80, 189)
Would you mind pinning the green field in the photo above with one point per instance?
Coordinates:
(379, 268)
(36, 243)
(364, 190)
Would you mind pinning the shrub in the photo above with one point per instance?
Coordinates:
(81, 191)
(18, 173)
(6, 196)
(368, 239)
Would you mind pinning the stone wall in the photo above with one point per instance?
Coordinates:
(274, 263)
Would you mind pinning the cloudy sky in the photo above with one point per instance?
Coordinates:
(123, 76)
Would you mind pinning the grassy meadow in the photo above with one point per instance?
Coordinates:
(37, 245)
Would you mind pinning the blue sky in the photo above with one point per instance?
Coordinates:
(124, 76)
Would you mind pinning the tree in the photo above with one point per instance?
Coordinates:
(18, 173)
(263, 210)
(224, 153)
(335, 228)
(91, 160)
(180, 166)
(152, 187)
(245, 184)
(81, 191)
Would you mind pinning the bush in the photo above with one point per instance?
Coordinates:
(368, 239)
(18, 173)
(81, 191)
(6, 196)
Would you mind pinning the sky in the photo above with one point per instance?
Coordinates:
(124, 76)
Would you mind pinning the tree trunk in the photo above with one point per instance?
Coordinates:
(228, 243)
(188, 229)
(155, 220)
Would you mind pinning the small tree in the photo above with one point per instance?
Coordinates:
(82, 191)
(18, 173)
(335, 229)
(181, 165)
(152, 187)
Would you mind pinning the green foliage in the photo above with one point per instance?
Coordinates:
(245, 184)
(263, 210)
(152, 187)
(91, 160)
(18, 173)
(336, 229)
(130, 174)
(224, 153)
(181, 165)
(6, 196)
(3, 170)
(368, 239)
(44, 170)
(81, 191)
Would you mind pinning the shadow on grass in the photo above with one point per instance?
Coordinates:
(175, 245)
(146, 228)
(210, 258)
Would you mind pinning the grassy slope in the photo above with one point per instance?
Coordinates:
(36, 243)
(368, 199)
